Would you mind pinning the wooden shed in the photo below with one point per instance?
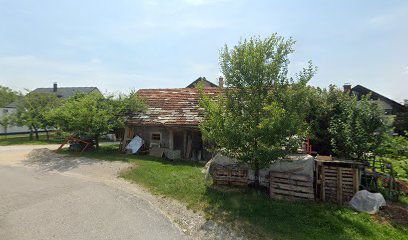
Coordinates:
(170, 124)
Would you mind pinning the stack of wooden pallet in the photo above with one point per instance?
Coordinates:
(291, 186)
(229, 175)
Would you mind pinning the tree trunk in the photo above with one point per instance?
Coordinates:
(48, 135)
(31, 133)
(256, 182)
(97, 142)
(36, 134)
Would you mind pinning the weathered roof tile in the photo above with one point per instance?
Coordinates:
(171, 107)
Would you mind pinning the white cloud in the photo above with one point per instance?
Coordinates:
(389, 18)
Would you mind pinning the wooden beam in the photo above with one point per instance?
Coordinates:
(184, 143)
(125, 138)
(171, 139)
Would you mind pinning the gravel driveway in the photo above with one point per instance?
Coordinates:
(46, 196)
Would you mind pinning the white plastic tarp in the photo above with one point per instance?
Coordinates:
(135, 144)
(302, 164)
(365, 201)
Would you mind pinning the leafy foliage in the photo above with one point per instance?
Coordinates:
(7, 96)
(357, 129)
(401, 123)
(7, 121)
(394, 149)
(93, 114)
(341, 125)
(33, 108)
(259, 117)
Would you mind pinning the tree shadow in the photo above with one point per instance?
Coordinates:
(48, 160)
(285, 220)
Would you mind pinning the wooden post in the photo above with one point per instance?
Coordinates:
(171, 139)
(339, 186)
(125, 138)
(356, 182)
(184, 143)
(189, 145)
(323, 190)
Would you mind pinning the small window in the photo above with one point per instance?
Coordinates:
(156, 136)
(5, 110)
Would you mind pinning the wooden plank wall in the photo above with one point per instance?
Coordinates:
(337, 184)
(290, 186)
(229, 175)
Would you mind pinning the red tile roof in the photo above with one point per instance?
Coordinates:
(171, 107)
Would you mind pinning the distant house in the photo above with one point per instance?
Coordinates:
(389, 106)
(170, 124)
(204, 82)
(66, 92)
(60, 92)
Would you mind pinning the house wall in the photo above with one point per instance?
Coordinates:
(12, 129)
(146, 132)
(387, 108)
(176, 139)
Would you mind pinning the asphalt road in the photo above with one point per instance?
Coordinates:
(44, 204)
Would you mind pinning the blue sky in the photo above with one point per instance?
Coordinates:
(123, 45)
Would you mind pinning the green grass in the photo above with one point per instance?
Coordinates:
(252, 209)
(25, 139)
(404, 200)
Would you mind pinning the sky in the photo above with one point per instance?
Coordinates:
(124, 45)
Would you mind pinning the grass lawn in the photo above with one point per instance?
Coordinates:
(25, 139)
(258, 214)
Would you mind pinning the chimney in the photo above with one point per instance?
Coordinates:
(221, 82)
(347, 87)
(55, 87)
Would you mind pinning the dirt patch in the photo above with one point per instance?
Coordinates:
(393, 213)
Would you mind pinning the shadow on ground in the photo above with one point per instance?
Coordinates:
(48, 160)
(280, 219)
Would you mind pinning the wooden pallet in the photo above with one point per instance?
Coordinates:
(290, 186)
(228, 175)
(337, 182)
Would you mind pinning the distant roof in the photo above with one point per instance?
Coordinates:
(204, 81)
(62, 92)
(65, 92)
(11, 105)
(374, 95)
(171, 107)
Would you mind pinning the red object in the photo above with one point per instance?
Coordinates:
(72, 138)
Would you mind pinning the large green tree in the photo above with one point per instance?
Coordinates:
(94, 115)
(7, 121)
(401, 122)
(7, 96)
(32, 109)
(342, 125)
(260, 115)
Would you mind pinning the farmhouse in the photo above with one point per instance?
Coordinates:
(60, 92)
(169, 127)
(389, 106)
